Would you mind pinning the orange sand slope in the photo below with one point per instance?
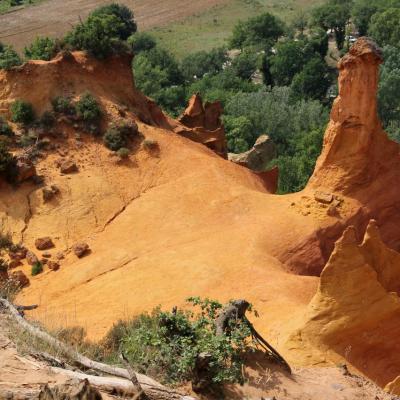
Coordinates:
(187, 222)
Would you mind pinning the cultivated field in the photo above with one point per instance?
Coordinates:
(55, 17)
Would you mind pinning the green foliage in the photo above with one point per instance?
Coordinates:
(141, 41)
(385, 27)
(8, 164)
(245, 64)
(260, 31)
(118, 135)
(8, 57)
(22, 112)
(335, 15)
(239, 133)
(43, 48)
(88, 109)
(312, 82)
(196, 65)
(63, 105)
(123, 153)
(362, 13)
(99, 35)
(165, 345)
(37, 268)
(297, 164)
(126, 23)
(5, 129)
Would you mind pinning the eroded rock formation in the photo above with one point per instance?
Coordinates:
(205, 121)
(355, 313)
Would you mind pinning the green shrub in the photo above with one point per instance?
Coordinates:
(166, 344)
(113, 139)
(88, 109)
(5, 129)
(37, 268)
(8, 164)
(8, 57)
(22, 112)
(141, 42)
(123, 152)
(5, 241)
(63, 105)
(47, 119)
(150, 144)
(41, 49)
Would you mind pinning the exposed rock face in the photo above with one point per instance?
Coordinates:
(356, 311)
(25, 168)
(206, 125)
(258, 157)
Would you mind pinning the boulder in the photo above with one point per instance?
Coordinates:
(49, 192)
(25, 168)
(19, 278)
(44, 243)
(68, 167)
(14, 264)
(258, 158)
(324, 198)
(53, 265)
(18, 254)
(80, 249)
(31, 258)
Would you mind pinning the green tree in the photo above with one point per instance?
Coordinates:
(141, 41)
(126, 24)
(312, 82)
(41, 49)
(260, 31)
(196, 65)
(385, 27)
(99, 35)
(8, 57)
(362, 13)
(333, 15)
(245, 64)
(239, 133)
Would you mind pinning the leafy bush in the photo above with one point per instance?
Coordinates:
(43, 48)
(245, 64)
(384, 27)
(150, 144)
(141, 42)
(37, 268)
(8, 164)
(98, 35)
(8, 57)
(166, 344)
(88, 109)
(63, 105)
(260, 31)
(118, 135)
(123, 152)
(22, 112)
(126, 23)
(5, 129)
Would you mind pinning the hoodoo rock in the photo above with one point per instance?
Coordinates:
(206, 124)
(355, 313)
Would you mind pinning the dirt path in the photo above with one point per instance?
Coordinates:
(55, 17)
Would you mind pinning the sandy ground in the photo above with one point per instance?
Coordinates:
(55, 17)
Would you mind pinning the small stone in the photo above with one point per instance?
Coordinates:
(44, 261)
(68, 167)
(25, 168)
(49, 192)
(60, 255)
(14, 264)
(324, 198)
(46, 255)
(31, 258)
(20, 278)
(44, 243)
(80, 249)
(53, 265)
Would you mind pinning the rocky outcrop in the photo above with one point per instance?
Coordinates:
(205, 123)
(257, 158)
(356, 311)
(25, 169)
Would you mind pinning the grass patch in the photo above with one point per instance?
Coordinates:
(213, 27)
(5, 5)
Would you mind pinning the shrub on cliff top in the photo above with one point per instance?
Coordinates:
(42, 48)
(8, 57)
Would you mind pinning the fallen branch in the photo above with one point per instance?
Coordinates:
(152, 388)
(140, 392)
